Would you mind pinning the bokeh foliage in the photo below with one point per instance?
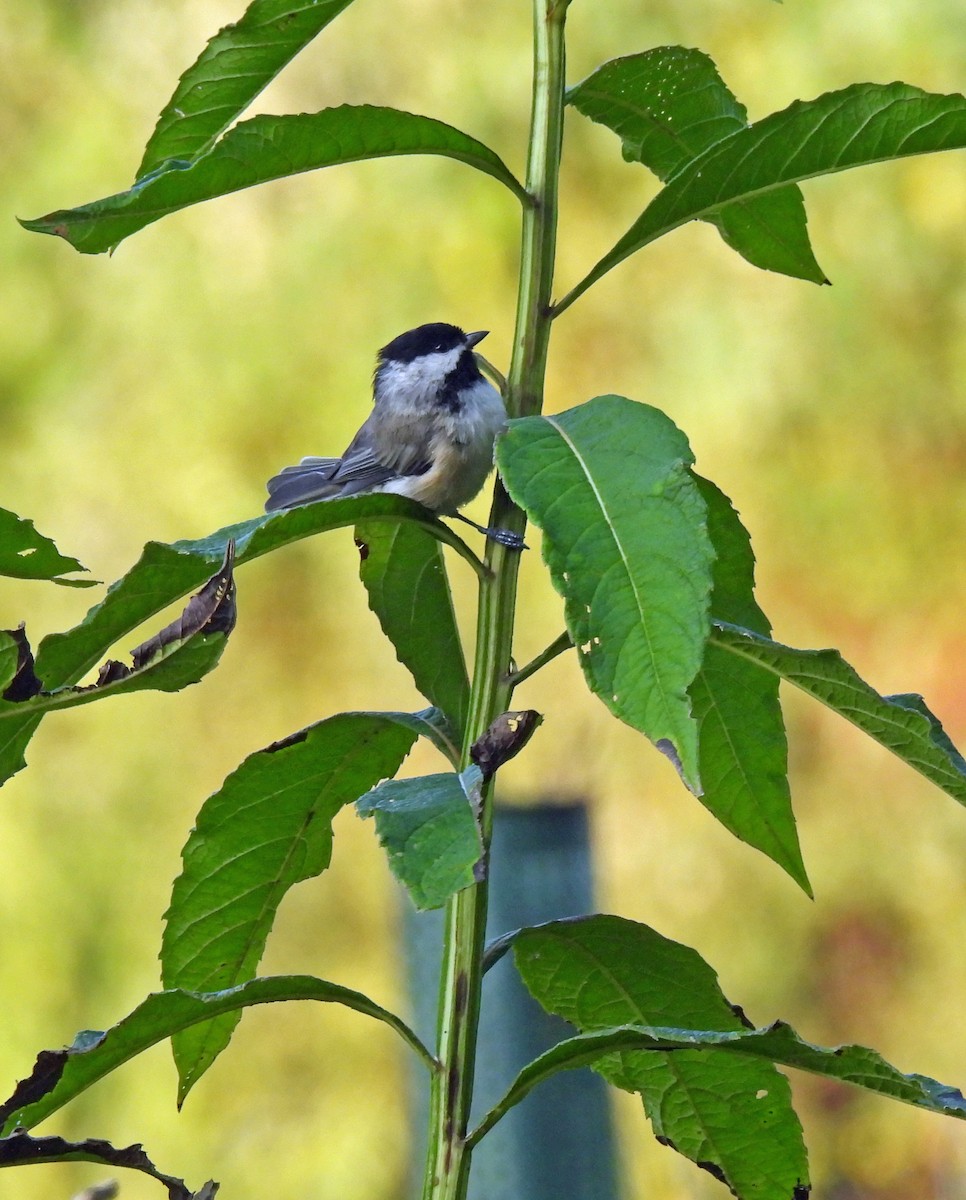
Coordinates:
(150, 395)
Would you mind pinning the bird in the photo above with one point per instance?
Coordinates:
(430, 434)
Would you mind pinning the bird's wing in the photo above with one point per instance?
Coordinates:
(365, 466)
(370, 460)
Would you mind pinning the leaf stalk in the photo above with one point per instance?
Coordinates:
(557, 646)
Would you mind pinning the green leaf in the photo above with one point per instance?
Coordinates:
(862, 124)
(9, 658)
(260, 150)
(778, 1043)
(668, 105)
(903, 724)
(238, 62)
(61, 1075)
(429, 830)
(14, 738)
(405, 579)
(731, 1114)
(626, 540)
(165, 573)
(27, 554)
(742, 743)
(266, 829)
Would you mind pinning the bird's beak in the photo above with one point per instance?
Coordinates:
(473, 339)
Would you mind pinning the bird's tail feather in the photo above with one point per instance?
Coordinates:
(310, 480)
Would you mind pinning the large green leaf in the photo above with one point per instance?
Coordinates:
(731, 1114)
(778, 1043)
(668, 105)
(260, 150)
(626, 540)
(165, 573)
(60, 1075)
(267, 828)
(742, 744)
(903, 724)
(404, 575)
(429, 830)
(862, 124)
(238, 62)
(27, 554)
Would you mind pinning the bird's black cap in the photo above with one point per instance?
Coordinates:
(437, 337)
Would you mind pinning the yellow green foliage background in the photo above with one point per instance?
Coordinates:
(149, 395)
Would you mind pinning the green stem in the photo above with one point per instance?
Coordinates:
(448, 1157)
(557, 646)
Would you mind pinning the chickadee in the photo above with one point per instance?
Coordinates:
(429, 436)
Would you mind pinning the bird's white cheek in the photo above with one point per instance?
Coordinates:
(414, 385)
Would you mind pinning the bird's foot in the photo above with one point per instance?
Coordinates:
(504, 537)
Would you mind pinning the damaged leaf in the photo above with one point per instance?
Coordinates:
(61, 1075)
(18, 679)
(27, 554)
(20, 1148)
(212, 610)
(181, 654)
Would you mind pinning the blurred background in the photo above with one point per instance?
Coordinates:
(149, 395)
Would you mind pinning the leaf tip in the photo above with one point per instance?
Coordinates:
(32, 225)
(51, 223)
(669, 750)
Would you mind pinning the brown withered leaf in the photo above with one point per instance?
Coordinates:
(504, 739)
(24, 683)
(20, 1148)
(111, 671)
(212, 610)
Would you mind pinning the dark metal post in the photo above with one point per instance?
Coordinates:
(559, 1142)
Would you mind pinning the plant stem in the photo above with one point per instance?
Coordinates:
(448, 1157)
(556, 647)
